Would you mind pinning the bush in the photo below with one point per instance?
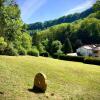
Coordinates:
(41, 48)
(10, 51)
(55, 46)
(22, 51)
(56, 56)
(44, 54)
(33, 52)
(90, 60)
(72, 58)
(59, 52)
(3, 45)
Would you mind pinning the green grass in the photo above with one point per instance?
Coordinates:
(66, 80)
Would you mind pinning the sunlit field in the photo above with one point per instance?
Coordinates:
(66, 80)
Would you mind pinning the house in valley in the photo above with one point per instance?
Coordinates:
(89, 50)
(96, 52)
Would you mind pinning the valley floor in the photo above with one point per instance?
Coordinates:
(66, 80)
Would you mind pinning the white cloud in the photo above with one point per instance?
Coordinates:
(30, 7)
(81, 7)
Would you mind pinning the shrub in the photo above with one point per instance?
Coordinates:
(10, 51)
(44, 54)
(56, 56)
(55, 46)
(70, 58)
(22, 51)
(33, 52)
(90, 60)
(3, 45)
(41, 48)
(59, 52)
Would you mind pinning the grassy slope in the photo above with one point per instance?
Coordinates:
(67, 80)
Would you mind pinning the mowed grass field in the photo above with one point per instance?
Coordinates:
(66, 80)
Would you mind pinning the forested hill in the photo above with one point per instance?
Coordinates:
(67, 37)
(61, 38)
(65, 19)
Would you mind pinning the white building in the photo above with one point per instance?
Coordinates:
(89, 50)
(96, 52)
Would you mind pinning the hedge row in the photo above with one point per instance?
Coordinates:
(91, 60)
(72, 58)
(88, 60)
(44, 54)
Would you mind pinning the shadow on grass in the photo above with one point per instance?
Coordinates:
(36, 90)
(2, 93)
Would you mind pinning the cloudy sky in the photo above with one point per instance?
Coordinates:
(42, 10)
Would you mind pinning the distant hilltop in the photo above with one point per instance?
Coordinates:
(64, 19)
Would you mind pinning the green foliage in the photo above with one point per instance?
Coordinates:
(64, 19)
(3, 45)
(41, 48)
(33, 52)
(67, 47)
(72, 58)
(86, 31)
(89, 31)
(10, 21)
(97, 6)
(44, 54)
(95, 15)
(10, 50)
(70, 35)
(26, 41)
(90, 60)
(46, 44)
(12, 28)
(22, 51)
(58, 53)
(78, 43)
(55, 46)
(51, 34)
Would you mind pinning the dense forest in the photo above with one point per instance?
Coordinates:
(67, 37)
(60, 36)
(64, 19)
(14, 39)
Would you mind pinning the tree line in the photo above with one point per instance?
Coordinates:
(67, 37)
(16, 39)
(64, 19)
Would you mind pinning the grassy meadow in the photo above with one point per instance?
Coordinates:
(66, 80)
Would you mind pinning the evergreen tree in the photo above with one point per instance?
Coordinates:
(67, 47)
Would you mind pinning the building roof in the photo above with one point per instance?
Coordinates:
(87, 47)
(97, 48)
(92, 47)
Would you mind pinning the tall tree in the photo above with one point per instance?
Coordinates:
(67, 47)
(12, 27)
(97, 6)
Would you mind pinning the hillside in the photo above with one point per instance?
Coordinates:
(67, 37)
(66, 80)
(64, 36)
(64, 19)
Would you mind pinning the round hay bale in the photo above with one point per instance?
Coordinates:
(40, 82)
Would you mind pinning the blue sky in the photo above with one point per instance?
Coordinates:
(43, 10)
